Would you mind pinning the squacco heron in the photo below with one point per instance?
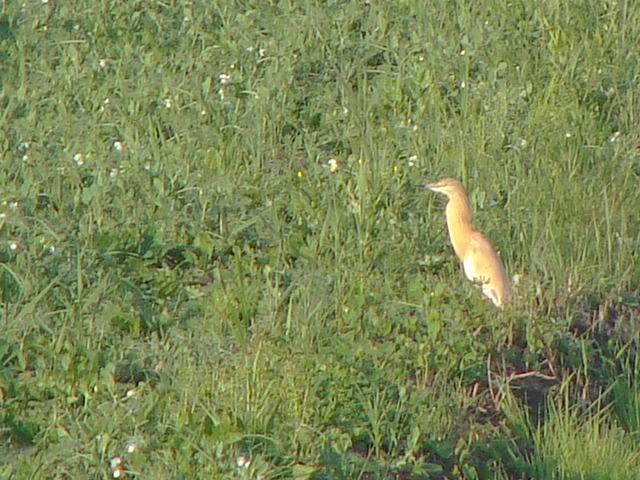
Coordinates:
(479, 259)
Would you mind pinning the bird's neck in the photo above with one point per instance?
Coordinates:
(458, 213)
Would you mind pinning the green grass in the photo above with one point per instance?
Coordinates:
(187, 286)
(577, 439)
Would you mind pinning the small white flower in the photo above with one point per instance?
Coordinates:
(463, 52)
(522, 142)
(114, 172)
(26, 158)
(168, 103)
(614, 136)
(51, 249)
(116, 464)
(262, 52)
(224, 79)
(14, 246)
(105, 104)
(79, 159)
(567, 135)
(25, 145)
(118, 145)
(103, 63)
(203, 112)
(413, 159)
(13, 204)
(221, 94)
(333, 164)
(463, 85)
(243, 462)
(131, 447)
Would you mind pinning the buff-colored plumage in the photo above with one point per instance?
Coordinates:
(479, 259)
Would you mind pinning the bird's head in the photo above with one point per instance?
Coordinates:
(447, 186)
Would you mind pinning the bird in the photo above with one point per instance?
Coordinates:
(480, 261)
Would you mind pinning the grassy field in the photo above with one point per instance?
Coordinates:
(217, 259)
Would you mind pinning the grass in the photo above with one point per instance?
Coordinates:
(188, 288)
(578, 440)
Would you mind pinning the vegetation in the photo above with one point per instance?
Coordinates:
(216, 259)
